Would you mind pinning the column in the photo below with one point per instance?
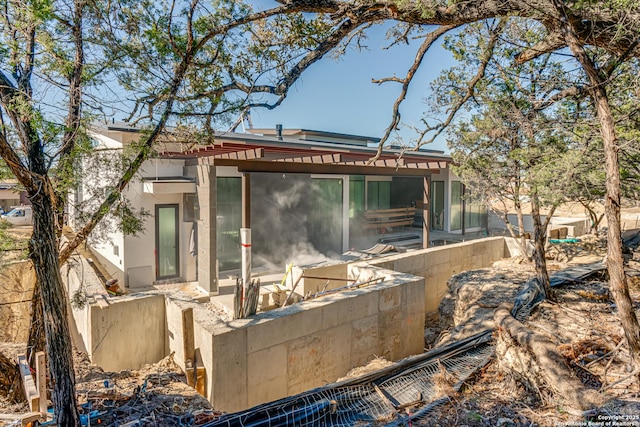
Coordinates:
(206, 189)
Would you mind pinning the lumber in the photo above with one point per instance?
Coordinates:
(188, 340)
(25, 419)
(30, 390)
(41, 381)
(387, 218)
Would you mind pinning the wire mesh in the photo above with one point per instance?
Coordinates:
(403, 394)
(375, 402)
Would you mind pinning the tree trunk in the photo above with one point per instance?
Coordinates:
(539, 255)
(37, 337)
(522, 239)
(615, 261)
(44, 255)
(593, 215)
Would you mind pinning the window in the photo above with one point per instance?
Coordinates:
(188, 207)
(378, 194)
(456, 205)
(228, 222)
(475, 213)
(437, 205)
(356, 195)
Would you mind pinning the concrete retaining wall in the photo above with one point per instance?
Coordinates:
(306, 345)
(117, 333)
(129, 332)
(288, 350)
(437, 264)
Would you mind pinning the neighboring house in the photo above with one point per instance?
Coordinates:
(301, 192)
(11, 195)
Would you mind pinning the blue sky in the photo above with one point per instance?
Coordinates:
(338, 95)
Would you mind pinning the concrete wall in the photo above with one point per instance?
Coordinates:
(437, 264)
(129, 333)
(292, 349)
(117, 333)
(576, 226)
(306, 345)
(306, 285)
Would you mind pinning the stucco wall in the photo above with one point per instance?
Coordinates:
(299, 347)
(437, 264)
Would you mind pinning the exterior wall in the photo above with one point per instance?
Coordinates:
(306, 345)
(140, 263)
(131, 259)
(437, 264)
(128, 333)
(117, 333)
(82, 278)
(9, 198)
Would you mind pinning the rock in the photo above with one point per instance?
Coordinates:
(468, 306)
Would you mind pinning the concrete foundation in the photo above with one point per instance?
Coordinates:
(288, 350)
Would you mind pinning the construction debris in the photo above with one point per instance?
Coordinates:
(245, 303)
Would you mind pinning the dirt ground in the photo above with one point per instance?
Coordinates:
(583, 323)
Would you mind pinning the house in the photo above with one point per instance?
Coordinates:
(295, 193)
(11, 195)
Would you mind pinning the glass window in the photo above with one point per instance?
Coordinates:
(167, 240)
(228, 222)
(378, 194)
(437, 205)
(456, 205)
(325, 216)
(356, 195)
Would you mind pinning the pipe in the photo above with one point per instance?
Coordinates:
(245, 247)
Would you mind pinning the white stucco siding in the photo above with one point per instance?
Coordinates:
(161, 168)
(140, 265)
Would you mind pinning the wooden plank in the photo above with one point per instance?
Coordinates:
(188, 341)
(41, 381)
(200, 383)
(102, 301)
(385, 218)
(25, 419)
(30, 391)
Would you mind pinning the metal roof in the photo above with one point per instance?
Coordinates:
(259, 153)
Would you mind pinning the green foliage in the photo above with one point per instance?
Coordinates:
(131, 221)
(514, 140)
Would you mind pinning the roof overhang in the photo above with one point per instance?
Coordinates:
(168, 186)
(251, 155)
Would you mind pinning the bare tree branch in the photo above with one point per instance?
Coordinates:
(440, 127)
(395, 115)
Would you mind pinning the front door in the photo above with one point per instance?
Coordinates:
(167, 238)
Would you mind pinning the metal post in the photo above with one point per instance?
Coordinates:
(426, 182)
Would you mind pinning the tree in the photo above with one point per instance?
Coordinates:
(507, 147)
(612, 27)
(60, 61)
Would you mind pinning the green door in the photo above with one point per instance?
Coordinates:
(167, 238)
